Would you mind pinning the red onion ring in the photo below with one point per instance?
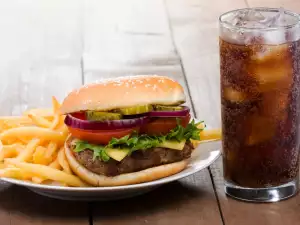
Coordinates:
(105, 125)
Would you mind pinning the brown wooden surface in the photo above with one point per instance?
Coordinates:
(21, 206)
(190, 201)
(50, 47)
(237, 212)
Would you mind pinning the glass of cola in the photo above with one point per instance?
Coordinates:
(260, 93)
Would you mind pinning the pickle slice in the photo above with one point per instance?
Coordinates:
(136, 110)
(102, 116)
(168, 108)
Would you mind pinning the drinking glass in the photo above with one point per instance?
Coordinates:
(260, 93)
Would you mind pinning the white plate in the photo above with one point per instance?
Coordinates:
(204, 155)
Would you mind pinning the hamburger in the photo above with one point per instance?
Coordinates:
(128, 130)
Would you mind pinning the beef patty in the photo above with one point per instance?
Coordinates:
(138, 160)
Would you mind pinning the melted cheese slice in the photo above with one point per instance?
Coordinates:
(173, 145)
(117, 154)
(120, 154)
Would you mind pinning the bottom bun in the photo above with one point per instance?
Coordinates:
(142, 176)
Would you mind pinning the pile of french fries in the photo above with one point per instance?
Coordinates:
(32, 147)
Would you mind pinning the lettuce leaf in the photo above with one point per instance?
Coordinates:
(99, 150)
(142, 142)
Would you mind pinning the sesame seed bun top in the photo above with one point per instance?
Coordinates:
(124, 92)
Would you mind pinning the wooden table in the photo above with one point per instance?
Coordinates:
(50, 47)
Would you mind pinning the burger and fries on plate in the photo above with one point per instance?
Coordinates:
(120, 131)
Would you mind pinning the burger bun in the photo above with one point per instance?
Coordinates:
(124, 92)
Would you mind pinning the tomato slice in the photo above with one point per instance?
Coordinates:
(162, 126)
(100, 136)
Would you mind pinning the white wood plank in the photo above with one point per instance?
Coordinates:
(286, 4)
(195, 28)
(133, 34)
(41, 48)
(131, 39)
(36, 85)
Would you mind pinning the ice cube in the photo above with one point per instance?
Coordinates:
(269, 77)
(234, 95)
(274, 104)
(235, 20)
(271, 66)
(272, 111)
(238, 18)
(253, 15)
(276, 20)
(263, 54)
(293, 34)
(261, 129)
(247, 18)
(232, 36)
(254, 38)
(252, 18)
(274, 37)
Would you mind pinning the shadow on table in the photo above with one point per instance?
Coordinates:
(20, 203)
(169, 197)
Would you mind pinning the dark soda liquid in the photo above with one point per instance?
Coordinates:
(260, 93)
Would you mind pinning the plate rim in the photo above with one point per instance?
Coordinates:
(112, 188)
(161, 181)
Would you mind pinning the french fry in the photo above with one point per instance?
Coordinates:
(37, 132)
(2, 165)
(54, 183)
(9, 151)
(55, 164)
(64, 129)
(210, 134)
(17, 173)
(40, 156)
(49, 173)
(51, 149)
(3, 127)
(55, 105)
(61, 126)
(43, 112)
(40, 121)
(61, 157)
(55, 122)
(8, 124)
(11, 173)
(37, 180)
(10, 141)
(201, 126)
(28, 151)
(61, 123)
(23, 140)
(16, 120)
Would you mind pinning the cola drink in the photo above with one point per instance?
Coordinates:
(260, 93)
